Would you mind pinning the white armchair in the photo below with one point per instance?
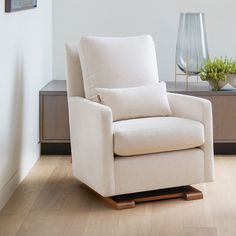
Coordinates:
(176, 158)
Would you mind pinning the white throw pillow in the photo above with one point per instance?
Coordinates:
(119, 62)
(136, 102)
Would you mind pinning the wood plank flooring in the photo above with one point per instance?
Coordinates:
(51, 202)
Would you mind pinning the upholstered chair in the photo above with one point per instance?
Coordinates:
(134, 155)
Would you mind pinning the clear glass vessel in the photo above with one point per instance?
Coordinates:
(191, 49)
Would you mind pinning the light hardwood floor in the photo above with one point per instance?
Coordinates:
(51, 202)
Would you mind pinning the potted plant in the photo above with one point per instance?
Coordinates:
(231, 71)
(219, 72)
(215, 72)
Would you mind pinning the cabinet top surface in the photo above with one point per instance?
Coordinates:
(55, 86)
(201, 88)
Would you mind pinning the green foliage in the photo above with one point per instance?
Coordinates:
(216, 70)
(231, 65)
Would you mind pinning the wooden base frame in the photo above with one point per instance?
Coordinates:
(129, 200)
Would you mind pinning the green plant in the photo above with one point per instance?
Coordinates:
(231, 65)
(216, 70)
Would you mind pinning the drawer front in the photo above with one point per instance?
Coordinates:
(224, 117)
(54, 118)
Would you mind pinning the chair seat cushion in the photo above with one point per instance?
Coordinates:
(156, 134)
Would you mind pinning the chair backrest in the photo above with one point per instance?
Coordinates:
(75, 85)
(110, 63)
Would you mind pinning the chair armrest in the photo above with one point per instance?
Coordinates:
(92, 144)
(198, 109)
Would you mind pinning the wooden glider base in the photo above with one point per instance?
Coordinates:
(129, 200)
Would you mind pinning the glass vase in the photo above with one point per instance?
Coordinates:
(191, 49)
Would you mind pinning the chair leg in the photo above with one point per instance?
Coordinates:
(120, 205)
(129, 200)
(193, 194)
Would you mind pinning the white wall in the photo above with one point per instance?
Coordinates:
(75, 18)
(25, 66)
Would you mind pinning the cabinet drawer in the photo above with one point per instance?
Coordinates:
(54, 118)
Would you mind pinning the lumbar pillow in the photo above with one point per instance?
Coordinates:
(119, 62)
(136, 102)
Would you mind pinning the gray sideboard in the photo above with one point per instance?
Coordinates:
(54, 134)
(54, 122)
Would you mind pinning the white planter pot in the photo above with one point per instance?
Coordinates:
(220, 83)
(232, 80)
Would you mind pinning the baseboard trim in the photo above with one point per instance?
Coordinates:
(9, 188)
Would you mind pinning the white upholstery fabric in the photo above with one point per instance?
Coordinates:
(158, 171)
(117, 62)
(136, 102)
(91, 133)
(93, 154)
(92, 144)
(200, 110)
(75, 85)
(156, 134)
